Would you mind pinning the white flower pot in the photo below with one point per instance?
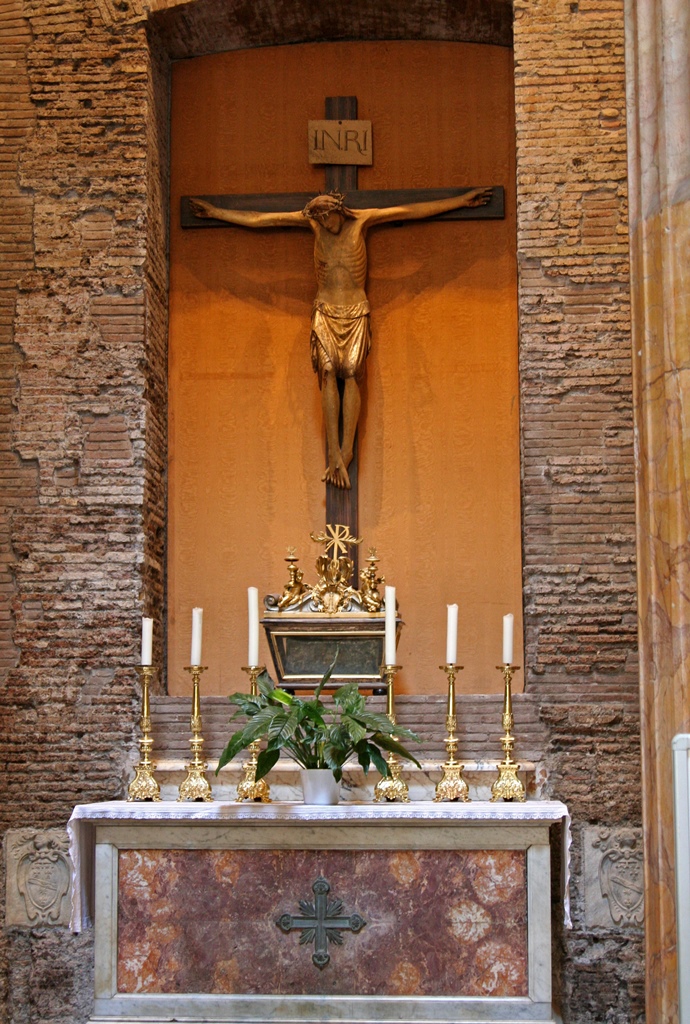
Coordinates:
(319, 786)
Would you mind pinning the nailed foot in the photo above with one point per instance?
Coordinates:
(337, 474)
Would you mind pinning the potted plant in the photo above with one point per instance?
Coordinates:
(318, 737)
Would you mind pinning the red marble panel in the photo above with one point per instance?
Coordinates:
(438, 922)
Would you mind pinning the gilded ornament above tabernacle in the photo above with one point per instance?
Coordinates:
(309, 621)
(333, 591)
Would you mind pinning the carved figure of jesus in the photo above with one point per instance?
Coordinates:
(340, 329)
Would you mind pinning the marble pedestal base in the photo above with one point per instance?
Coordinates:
(456, 900)
(201, 1010)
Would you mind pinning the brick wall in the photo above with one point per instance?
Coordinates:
(83, 382)
(577, 453)
(83, 292)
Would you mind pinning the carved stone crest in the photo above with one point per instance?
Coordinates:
(621, 876)
(38, 877)
(614, 881)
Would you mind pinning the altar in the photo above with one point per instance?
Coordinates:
(227, 912)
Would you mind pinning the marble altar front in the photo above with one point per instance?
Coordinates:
(451, 903)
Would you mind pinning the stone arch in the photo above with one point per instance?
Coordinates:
(209, 26)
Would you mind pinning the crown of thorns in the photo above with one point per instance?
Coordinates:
(326, 203)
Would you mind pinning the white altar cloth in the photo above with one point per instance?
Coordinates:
(85, 817)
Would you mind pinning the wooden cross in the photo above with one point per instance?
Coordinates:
(321, 922)
(341, 503)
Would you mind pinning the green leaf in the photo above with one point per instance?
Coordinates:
(265, 761)
(350, 699)
(355, 730)
(334, 756)
(339, 736)
(246, 704)
(388, 743)
(255, 729)
(280, 717)
(234, 745)
(373, 721)
(265, 683)
(285, 727)
(378, 759)
(327, 674)
(300, 711)
(406, 734)
(376, 722)
(314, 711)
(282, 696)
(259, 724)
(363, 756)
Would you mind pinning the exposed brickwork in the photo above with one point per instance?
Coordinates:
(18, 483)
(18, 479)
(577, 450)
(593, 764)
(85, 370)
(83, 297)
(575, 357)
(52, 977)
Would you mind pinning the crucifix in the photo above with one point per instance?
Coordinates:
(340, 331)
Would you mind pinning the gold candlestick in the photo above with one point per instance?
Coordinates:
(144, 786)
(249, 788)
(507, 786)
(451, 786)
(196, 786)
(392, 786)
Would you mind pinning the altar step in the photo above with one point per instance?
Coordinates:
(478, 729)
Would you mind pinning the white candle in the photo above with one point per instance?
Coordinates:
(390, 625)
(197, 620)
(507, 639)
(452, 635)
(253, 608)
(146, 641)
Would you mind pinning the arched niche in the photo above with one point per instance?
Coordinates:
(202, 28)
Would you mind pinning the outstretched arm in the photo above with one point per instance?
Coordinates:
(249, 218)
(418, 211)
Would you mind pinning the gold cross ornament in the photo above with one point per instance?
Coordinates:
(336, 539)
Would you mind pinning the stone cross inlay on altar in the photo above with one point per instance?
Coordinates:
(321, 922)
(340, 247)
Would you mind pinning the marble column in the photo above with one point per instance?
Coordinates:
(657, 45)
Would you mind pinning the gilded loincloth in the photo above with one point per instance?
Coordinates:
(340, 339)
